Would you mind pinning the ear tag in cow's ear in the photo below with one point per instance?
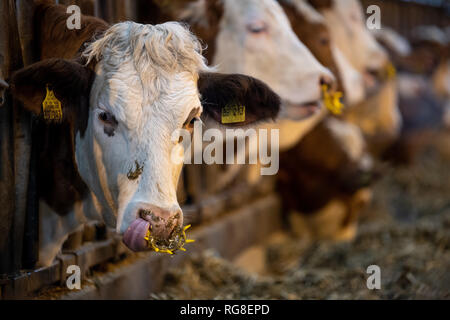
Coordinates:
(391, 71)
(332, 101)
(233, 114)
(51, 106)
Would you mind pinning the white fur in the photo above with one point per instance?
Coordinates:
(276, 56)
(349, 32)
(352, 80)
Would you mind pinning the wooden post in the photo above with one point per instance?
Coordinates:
(12, 214)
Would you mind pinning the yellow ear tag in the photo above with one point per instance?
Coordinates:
(391, 71)
(51, 106)
(233, 114)
(171, 248)
(332, 100)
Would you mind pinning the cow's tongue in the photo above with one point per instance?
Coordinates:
(134, 236)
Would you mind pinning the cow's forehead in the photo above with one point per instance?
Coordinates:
(153, 51)
(134, 100)
(146, 71)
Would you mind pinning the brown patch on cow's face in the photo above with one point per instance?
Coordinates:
(321, 4)
(133, 174)
(314, 35)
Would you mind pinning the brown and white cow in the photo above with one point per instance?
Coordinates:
(323, 180)
(378, 116)
(132, 86)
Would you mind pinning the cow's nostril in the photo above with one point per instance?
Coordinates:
(326, 80)
(149, 215)
(164, 222)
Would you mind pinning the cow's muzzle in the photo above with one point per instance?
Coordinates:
(161, 224)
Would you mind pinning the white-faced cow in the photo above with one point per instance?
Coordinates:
(121, 99)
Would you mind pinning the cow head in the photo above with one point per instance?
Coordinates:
(348, 30)
(310, 27)
(140, 85)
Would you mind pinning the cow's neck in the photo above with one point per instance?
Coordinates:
(59, 182)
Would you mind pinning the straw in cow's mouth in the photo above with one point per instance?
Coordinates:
(170, 246)
(332, 100)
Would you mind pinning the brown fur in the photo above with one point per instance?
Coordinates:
(55, 40)
(159, 11)
(208, 32)
(316, 171)
(321, 4)
(59, 183)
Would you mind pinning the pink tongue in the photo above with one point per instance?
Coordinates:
(134, 236)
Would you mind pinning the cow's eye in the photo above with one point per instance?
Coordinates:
(257, 27)
(189, 124)
(191, 118)
(324, 41)
(107, 118)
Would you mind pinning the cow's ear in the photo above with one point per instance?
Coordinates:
(68, 80)
(236, 99)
